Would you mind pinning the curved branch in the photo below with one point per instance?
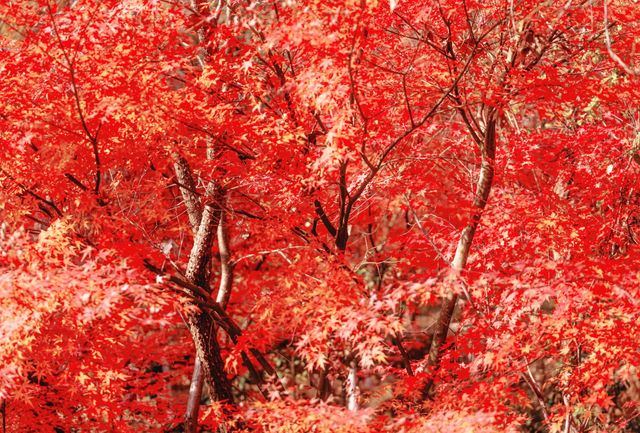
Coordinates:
(628, 69)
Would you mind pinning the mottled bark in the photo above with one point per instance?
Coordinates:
(222, 298)
(203, 239)
(193, 205)
(209, 363)
(201, 324)
(188, 190)
(208, 350)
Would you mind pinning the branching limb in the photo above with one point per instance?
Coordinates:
(397, 341)
(92, 137)
(76, 182)
(533, 385)
(31, 193)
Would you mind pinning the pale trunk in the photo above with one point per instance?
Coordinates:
(483, 188)
(352, 387)
(195, 395)
(226, 269)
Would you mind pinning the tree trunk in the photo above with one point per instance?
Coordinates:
(195, 395)
(352, 386)
(222, 298)
(194, 212)
(209, 362)
(201, 326)
(226, 269)
(188, 190)
(483, 188)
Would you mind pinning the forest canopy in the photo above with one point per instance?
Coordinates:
(319, 216)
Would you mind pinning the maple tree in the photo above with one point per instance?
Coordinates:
(319, 216)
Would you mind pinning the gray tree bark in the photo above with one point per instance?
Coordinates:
(483, 189)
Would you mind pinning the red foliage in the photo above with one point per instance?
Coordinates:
(349, 144)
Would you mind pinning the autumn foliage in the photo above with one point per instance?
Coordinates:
(404, 216)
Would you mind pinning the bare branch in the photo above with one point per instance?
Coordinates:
(31, 193)
(92, 137)
(406, 100)
(530, 380)
(75, 181)
(628, 69)
(324, 218)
